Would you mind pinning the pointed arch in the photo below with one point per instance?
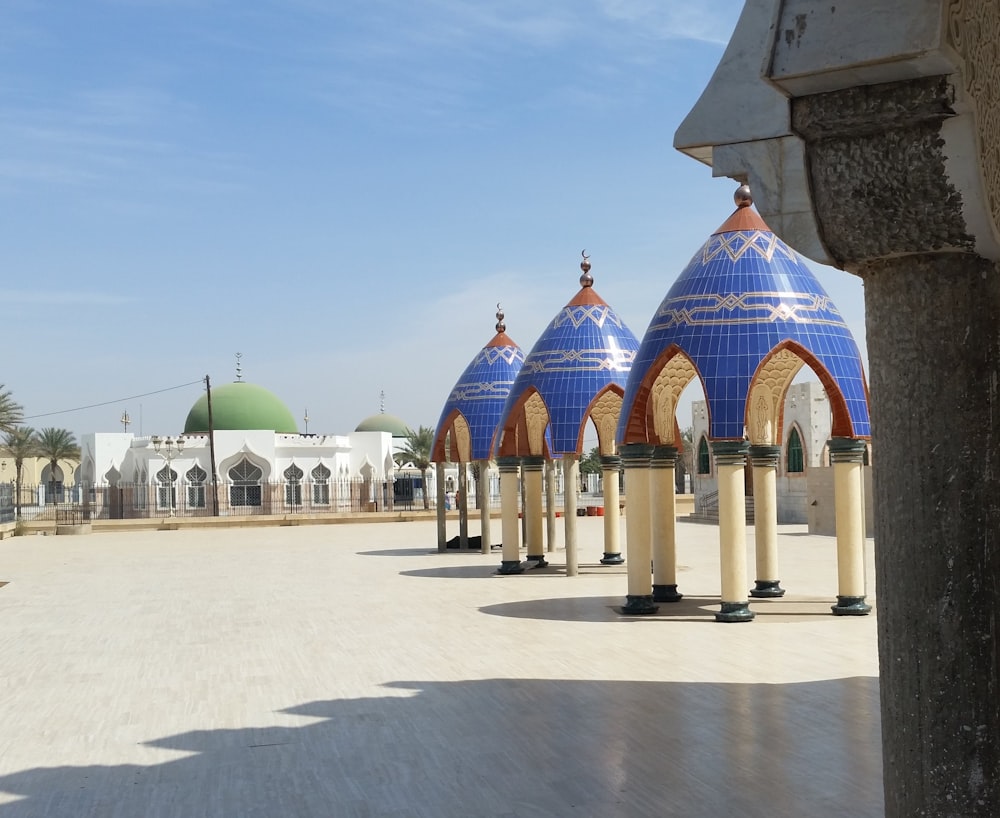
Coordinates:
(766, 396)
(605, 410)
(842, 423)
(704, 464)
(453, 442)
(795, 452)
(525, 425)
(653, 411)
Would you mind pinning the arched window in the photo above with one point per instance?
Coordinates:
(245, 488)
(196, 477)
(166, 490)
(704, 458)
(794, 457)
(293, 485)
(321, 485)
(141, 479)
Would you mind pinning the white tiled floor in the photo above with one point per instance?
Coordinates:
(353, 671)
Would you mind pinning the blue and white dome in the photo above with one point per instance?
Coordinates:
(473, 410)
(586, 351)
(743, 301)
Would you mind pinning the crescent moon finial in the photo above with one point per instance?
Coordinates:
(586, 280)
(501, 326)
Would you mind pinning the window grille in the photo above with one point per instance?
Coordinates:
(195, 478)
(293, 485)
(245, 488)
(320, 485)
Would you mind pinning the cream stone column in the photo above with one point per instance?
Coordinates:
(847, 456)
(463, 506)
(635, 460)
(730, 461)
(571, 481)
(764, 460)
(532, 469)
(483, 493)
(442, 528)
(663, 521)
(510, 528)
(610, 468)
(550, 505)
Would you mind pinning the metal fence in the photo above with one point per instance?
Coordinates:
(131, 501)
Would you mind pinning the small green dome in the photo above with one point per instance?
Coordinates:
(241, 405)
(384, 423)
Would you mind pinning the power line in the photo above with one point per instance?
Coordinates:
(109, 402)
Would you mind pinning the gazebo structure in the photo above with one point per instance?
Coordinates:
(467, 429)
(743, 317)
(575, 372)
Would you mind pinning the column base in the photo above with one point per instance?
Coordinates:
(612, 559)
(538, 560)
(767, 589)
(639, 605)
(851, 606)
(510, 567)
(666, 593)
(735, 612)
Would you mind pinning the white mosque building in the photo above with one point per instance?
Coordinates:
(263, 464)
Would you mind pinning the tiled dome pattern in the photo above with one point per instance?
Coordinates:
(585, 348)
(480, 395)
(744, 293)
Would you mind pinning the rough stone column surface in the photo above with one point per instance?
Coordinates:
(935, 357)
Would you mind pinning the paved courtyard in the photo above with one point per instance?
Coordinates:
(353, 671)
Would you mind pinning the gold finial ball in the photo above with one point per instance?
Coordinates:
(586, 280)
(742, 196)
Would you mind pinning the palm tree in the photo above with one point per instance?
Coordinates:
(20, 444)
(55, 445)
(417, 451)
(11, 412)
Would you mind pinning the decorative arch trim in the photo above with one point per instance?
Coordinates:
(656, 397)
(842, 425)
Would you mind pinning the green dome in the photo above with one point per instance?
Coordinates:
(241, 405)
(384, 423)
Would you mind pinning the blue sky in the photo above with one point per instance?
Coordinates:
(340, 190)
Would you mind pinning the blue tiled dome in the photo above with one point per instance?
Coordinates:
(480, 395)
(584, 350)
(743, 296)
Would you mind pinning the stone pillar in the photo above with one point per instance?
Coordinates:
(935, 354)
(663, 513)
(483, 493)
(571, 481)
(463, 506)
(611, 467)
(442, 528)
(532, 469)
(635, 460)
(510, 526)
(764, 460)
(847, 456)
(550, 505)
(730, 461)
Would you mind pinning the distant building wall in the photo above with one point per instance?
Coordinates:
(821, 514)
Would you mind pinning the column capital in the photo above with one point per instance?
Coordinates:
(508, 465)
(635, 455)
(664, 457)
(764, 455)
(846, 450)
(611, 462)
(533, 462)
(730, 452)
